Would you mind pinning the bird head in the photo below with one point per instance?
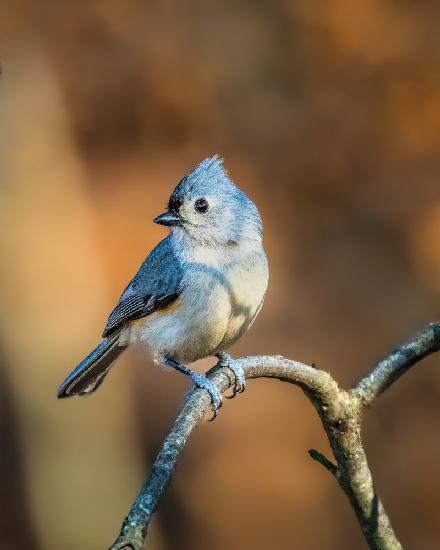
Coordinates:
(209, 208)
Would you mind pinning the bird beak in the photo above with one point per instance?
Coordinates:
(170, 219)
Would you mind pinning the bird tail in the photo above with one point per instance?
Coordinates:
(90, 373)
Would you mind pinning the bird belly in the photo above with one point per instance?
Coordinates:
(214, 310)
(190, 330)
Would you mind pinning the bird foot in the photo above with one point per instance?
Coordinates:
(201, 381)
(225, 360)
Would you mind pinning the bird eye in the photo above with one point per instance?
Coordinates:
(201, 206)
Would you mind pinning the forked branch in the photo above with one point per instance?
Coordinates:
(340, 412)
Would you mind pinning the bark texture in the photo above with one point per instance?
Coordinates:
(341, 413)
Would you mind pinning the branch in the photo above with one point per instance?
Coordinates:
(401, 359)
(340, 413)
(324, 461)
(135, 526)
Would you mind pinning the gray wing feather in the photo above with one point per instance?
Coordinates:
(156, 285)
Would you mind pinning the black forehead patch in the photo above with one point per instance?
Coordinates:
(175, 203)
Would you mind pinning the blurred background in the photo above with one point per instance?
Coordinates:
(328, 115)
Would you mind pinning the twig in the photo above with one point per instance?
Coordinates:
(340, 412)
(424, 343)
(323, 460)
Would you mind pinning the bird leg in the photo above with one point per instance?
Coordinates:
(225, 360)
(202, 382)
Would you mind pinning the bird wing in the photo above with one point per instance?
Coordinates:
(156, 285)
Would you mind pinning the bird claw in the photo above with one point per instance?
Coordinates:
(216, 397)
(225, 360)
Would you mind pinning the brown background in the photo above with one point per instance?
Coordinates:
(328, 115)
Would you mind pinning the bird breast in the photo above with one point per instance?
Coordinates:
(218, 304)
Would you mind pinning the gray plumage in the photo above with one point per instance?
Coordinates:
(197, 292)
(155, 286)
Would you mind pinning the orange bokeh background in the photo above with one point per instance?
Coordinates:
(328, 115)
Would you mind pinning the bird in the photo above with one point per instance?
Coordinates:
(196, 293)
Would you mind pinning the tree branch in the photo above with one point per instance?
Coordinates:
(424, 343)
(340, 413)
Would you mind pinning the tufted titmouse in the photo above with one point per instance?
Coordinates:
(197, 292)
